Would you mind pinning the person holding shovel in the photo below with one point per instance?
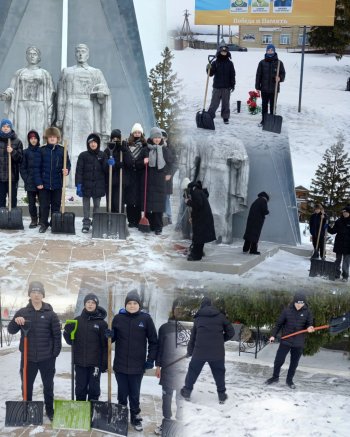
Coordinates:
(15, 150)
(136, 345)
(266, 78)
(44, 342)
(90, 348)
(48, 176)
(295, 317)
(342, 244)
(318, 225)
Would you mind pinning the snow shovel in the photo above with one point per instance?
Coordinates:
(273, 122)
(10, 218)
(108, 417)
(203, 119)
(321, 267)
(111, 225)
(63, 222)
(24, 413)
(336, 326)
(144, 225)
(72, 414)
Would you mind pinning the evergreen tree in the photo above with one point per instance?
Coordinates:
(164, 86)
(331, 185)
(334, 39)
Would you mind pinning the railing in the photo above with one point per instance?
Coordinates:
(183, 333)
(254, 343)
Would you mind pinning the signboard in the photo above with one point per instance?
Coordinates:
(265, 12)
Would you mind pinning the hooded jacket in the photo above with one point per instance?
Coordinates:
(44, 336)
(342, 240)
(210, 331)
(90, 344)
(266, 73)
(256, 219)
(16, 157)
(223, 71)
(31, 160)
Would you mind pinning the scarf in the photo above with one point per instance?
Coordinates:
(4, 135)
(156, 158)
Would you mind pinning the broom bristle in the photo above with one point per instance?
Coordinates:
(144, 225)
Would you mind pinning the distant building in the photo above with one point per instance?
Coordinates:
(302, 195)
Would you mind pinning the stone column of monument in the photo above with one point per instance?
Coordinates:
(83, 105)
(29, 100)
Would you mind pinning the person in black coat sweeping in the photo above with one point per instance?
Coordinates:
(266, 78)
(90, 177)
(31, 159)
(210, 331)
(296, 317)
(224, 82)
(203, 230)
(342, 244)
(44, 342)
(314, 224)
(136, 345)
(255, 222)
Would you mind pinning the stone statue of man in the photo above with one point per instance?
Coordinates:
(29, 100)
(83, 104)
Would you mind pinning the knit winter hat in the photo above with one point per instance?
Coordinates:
(346, 209)
(264, 194)
(93, 137)
(116, 133)
(52, 132)
(133, 295)
(36, 286)
(299, 297)
(33, 134)
(91, 296)
(270, 47)
(137, 128)
(155, 133)
(224, 48)
(4, 122)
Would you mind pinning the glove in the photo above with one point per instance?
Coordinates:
(69, 327)
(109, 333)
(148, 365)
(111, 161)
(80, 190)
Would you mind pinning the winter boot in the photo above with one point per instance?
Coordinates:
(222, 397)
(85, 229)
(33, 223)
(291, 385)
(226, 121)
(185, 393)
(271, 380)
(136, 422)
(43, 229)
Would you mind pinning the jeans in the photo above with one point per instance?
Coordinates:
(295, 354)
(129, 386)
(345, 265)
(86, 208)
(167, 396)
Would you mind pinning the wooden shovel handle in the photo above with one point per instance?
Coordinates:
(10, 174)
(25, 367)
(109, 350)
(318, 328)
(63, 198)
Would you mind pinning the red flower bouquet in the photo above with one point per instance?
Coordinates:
(253, 107)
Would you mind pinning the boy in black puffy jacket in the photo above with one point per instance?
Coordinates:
(90, 349)
(136, 343)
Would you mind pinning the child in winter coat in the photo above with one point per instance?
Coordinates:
(48, 176)
(315, 230)
(132, 330)
(118, 157)
(342, 244)
(133, 198)
(15, 150)
(170, 171)
(90, 177)
(90, 348)
(31, 159)
(255, 222)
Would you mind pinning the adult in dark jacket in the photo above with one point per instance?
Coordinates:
(318, 229)
(296, 317)
(90, 177)
(48, 176)
(203, 230)
(266, 78)
(15, 150)
(342, 244)
(170, 170)
(90, 348)
(31, 160)
(255, 222)
(210, 331)
(118, 157)
(157, 157)
(137, 147)
(135, 339)
(224, 82)
(44, 342)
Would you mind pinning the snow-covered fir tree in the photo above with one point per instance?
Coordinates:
(164, 86)
(331, 184)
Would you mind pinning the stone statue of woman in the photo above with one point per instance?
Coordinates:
(29, 100)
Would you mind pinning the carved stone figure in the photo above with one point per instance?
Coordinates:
(29, 100)
(83, 104)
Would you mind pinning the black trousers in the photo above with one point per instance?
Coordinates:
(155, 220)
(197, 250)
(87, 383)
(217, 369)
(134, 214)
(249, 246)
(49, 199)
(129, 386)
(295, 354)
(4, 189)
(33, 211)
(167, 397)
(321, 246)
(47, 373)
(267, 99)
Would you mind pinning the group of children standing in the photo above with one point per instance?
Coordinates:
(42, 170)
